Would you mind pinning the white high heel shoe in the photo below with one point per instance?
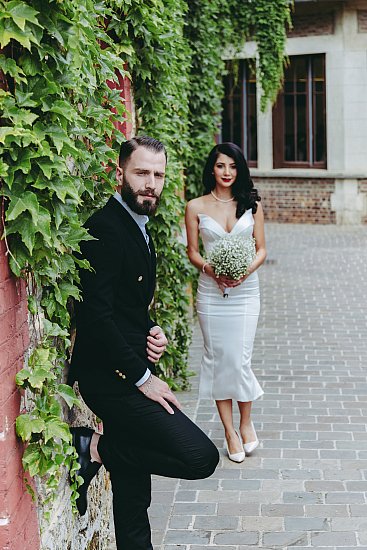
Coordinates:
(236, 457)
(251, 446)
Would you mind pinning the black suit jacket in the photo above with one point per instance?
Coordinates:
(112, 320)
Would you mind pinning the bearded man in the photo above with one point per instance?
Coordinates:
(115, 352)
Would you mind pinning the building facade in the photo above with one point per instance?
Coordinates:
(308, 152)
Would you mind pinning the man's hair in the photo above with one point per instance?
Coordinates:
(129, 146)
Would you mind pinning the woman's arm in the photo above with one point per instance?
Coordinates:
(192, 232)
(259, 234)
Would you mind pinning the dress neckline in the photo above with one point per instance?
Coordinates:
(221, 226)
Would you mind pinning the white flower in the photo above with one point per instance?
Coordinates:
(231, 256)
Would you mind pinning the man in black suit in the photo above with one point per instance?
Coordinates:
(116, 348)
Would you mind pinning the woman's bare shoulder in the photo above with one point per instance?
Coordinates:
(196, 205)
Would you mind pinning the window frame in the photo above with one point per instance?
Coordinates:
(278, 121)
(242, 97)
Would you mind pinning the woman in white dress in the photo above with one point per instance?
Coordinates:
(230, 205)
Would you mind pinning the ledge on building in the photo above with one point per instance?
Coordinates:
(306, 173)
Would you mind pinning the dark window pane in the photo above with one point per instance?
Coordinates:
(251, 88)
(239, 117)
(319, 86)
(318, 67)
(301, 128)
(289, 128)
(251, 128)
(319, 130)
(237, 120)
(301, 86)
(232, 110)
(289, 86)
(300, 67)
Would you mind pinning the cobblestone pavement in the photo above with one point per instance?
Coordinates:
(306, 485)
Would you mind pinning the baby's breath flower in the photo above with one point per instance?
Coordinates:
(231, 256)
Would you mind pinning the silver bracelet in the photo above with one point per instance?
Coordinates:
(148, 384)
(204, 266)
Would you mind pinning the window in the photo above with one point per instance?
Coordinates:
(299, 115)
(239, 116)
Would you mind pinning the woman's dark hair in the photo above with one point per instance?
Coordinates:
(243, 188)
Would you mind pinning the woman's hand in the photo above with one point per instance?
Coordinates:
(226, 282)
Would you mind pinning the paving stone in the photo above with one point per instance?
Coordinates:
(303, 497)
(333, 539)
(326, 511)
(349, 524)
(306, 524)
(195, 508)
(217, 522)
(180, 522)
(282, 510)
(262, 524)
(348, 498)
(235, 537)
(284, 539)
(187, 537)
(186, 496)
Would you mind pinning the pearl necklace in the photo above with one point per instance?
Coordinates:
(221, 200)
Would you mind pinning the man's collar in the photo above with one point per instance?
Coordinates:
(140, 219)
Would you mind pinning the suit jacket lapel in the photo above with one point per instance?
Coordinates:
(153, 261)
(134, 230)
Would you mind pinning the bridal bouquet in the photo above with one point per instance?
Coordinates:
(231, 256)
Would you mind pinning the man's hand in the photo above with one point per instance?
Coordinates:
(156, 344)
(158, 390)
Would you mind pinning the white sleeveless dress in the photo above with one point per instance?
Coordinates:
(228, 324)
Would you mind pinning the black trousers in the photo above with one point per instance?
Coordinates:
(141, 438)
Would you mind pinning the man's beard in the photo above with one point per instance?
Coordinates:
(147, 207)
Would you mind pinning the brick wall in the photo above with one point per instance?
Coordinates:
(312, 24)
(124, 84)
(18, 519)
(296, 200)
(362, 20)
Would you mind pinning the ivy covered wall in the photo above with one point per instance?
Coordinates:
(57, 139)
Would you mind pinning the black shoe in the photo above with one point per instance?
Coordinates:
(88, 469)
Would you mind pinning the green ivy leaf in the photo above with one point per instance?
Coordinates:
(26, 202)
(68, 394)
(32, 305)
(55, 428)
(31, 459)
(38, 377)
(25, 425)
(53, 329)
(9, 66)
(21, 12)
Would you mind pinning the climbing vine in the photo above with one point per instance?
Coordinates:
(158, 57)
(58, 141)
(56, 117)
